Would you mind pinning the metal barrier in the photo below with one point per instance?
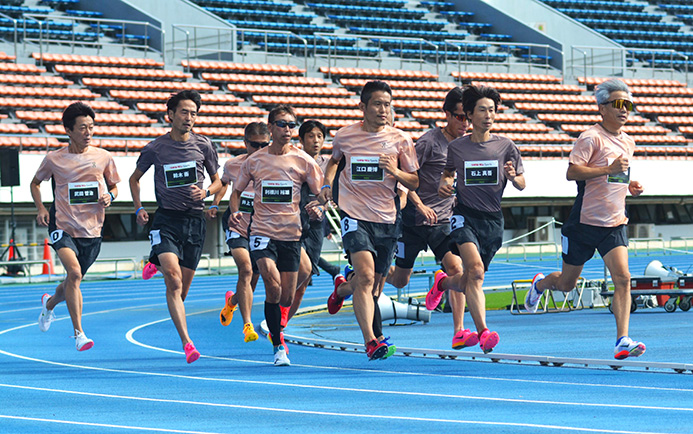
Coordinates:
(648, 244)
(462, 49)
(27, 270)
(118, 260)
(547, 304)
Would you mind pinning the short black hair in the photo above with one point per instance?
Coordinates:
(453, 98)
(255, 129)
(75, 110)
(374, 86)
(192, 95)
(281, 108)
(472, 94)
(309, 126)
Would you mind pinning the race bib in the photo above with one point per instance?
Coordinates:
(155, 237)
(481, 173)
(258, 242)
(246, 204)
(230, 235)
(279, 192)
(456, 222)
(564, 244)
(349, 225)
(618, 178)
(366, 169)
(180, 174)
(83, 192)
(399, 250)
(56, 235)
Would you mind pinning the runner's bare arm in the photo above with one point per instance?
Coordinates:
(428, 213)
(407, 179)
(234, 202)
(326, 190)
(579, 172)
(140, 212)
(105, 199)
(510, 173)
(211, 213)
(43, 216)
(447, 181)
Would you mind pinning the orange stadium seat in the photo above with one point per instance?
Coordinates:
(54, 104)
(593, 81)
(214, 110)
(21, 68)
(47, 92)
(78, 59)
(199, 65)
(259, 89)
(659, 91)
(136, 95)
(289, 80)
(241, 121)
(318, 113)
(358, 83)
(37, 80)
(298, 101)
(675, 120)
(105, 71)
(496, 76)
(174, 86)
(378, 73)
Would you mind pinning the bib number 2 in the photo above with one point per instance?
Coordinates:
(456, 222)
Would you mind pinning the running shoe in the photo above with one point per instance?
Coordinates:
(226, 314)
(46, 316)
(280, 356)
(191, 353)
(149, 271)
(82, 342)
(281, 340)
(391, 348)
(249, 332)
(627, 347)
(435, 294)
(533, 295)
(488, 340)
(464, 338)
(335, 302)
(376, 350)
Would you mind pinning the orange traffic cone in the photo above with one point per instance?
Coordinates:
(47, 267)
(10, 253)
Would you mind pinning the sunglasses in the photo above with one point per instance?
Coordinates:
(620, 103)
(460, 117)
(258, 144)
(284, 124)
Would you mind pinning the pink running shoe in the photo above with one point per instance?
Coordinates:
(488, 340)
(335, 302)
(149, 271)
(191, 354)
(464, 338)
(435, 294)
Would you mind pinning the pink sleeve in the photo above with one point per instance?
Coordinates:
(314, 176)
(336, 148)
(244, 177)
(582, 151)
(408, 159)
(111, 173)
(44, 171)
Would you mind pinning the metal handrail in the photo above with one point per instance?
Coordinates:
(462, 44)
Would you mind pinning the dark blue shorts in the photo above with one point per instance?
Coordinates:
(415, 239)
(378, 238)
(579, 241)
(86, 249)
(483, 229)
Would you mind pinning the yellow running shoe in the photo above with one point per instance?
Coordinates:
(226, 314)
(249, 332)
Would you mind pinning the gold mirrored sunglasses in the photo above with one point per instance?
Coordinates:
(620, 103)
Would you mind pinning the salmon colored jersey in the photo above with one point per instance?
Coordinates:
(80, 179)
(366, 192)
(231, 169)
(601, 201)
(277, 181)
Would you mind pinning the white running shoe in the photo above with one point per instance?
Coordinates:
(533, 295)
(280, 357)
(46, 316)
(82, 342)
(627, 347)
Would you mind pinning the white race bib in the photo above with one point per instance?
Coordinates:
(230, 235)
(349, 225)
(481, 172)
(155, 237)
(456, 222)
(83, 192)
(180, 174)
(258, 242)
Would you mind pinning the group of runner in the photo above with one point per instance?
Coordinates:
(452, 184)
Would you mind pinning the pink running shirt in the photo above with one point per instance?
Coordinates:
(231, 170)
(366, 192)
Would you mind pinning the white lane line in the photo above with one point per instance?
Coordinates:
(102, 425)
(335, 368)
(326, 413)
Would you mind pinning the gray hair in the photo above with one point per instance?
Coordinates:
(603, 91)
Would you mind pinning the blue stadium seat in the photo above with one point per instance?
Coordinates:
(270, 16)
(388, 22)
(405, 33)
(285, 27)
(325, 8)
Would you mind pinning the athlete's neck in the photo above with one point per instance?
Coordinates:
(76, 149)
(479, 136)
(180, 137)
(448, 135)
(278, 148)
(370, 127)
(611, 129)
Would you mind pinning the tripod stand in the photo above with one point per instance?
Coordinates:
(11, 253)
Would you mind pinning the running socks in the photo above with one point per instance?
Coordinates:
(377, 319)
(273, 316)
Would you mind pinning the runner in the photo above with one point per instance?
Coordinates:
(372, 151)
(277, 173)
(84, 185)
(484, 163)
(599, 163)
(426, 218)
(178, 229)
(256, 137)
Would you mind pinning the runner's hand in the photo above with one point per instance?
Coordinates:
(619, 165)
(43, 217)
(142, 217)
(428, 213)
(510, 172)
(635, 188)
(235, 218)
